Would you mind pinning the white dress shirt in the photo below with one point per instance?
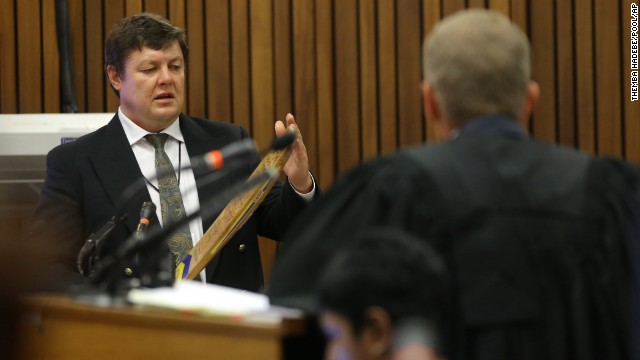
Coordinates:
(179, 156)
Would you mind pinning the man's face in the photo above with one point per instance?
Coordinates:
(152, 86)
(342, 342)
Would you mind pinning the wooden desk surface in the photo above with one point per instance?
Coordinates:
(57, 327)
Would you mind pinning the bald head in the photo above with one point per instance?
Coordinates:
(478, 63)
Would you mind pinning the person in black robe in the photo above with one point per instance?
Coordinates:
(540, 240)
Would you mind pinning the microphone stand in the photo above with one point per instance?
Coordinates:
(88, 256)
(107, 285)
(90, 251)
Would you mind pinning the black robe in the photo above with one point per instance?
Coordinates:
(535, 235)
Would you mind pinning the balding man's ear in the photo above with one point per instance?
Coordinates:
(434, 112)
(431, 106)
(533, 94)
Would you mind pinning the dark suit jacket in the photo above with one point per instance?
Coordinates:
(87, 177)
(534, 234)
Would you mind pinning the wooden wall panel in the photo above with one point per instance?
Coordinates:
(349, 70)
(156, 6)
(450, 6)
(51, 65)
(501, 6)
(608, 78)
(262, 74)
(177, 14)
(368, 79)
(477, 4)
(240, 63)
(387, 80)
(133, 7)
(94, 45)
(347, 84)
(566, 118)
(114, 10)
(8, 81)
(29, 56)
(543, 45)
(326, 151)
(608, 73)
(284, 42)
(78, 64)
(196, 88)
(410, 119)
(218, 56)
(585, 81)
(365, 71)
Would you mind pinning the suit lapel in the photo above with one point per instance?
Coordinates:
(117, 168)
(199, 142)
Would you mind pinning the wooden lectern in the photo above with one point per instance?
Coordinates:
(57, 327)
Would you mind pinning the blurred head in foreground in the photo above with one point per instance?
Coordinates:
(382, 292)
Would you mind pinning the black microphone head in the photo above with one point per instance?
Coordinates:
(285, 140)
(148, 208)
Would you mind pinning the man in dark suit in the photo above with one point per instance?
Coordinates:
(535, 235)
(145, 59)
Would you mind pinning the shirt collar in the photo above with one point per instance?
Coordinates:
(492, 124)
(135, 133)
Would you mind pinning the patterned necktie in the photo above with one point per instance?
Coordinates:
(171, 205)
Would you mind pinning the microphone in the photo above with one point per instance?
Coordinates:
(86, 255)
(215, 159)
(283, 141)
(242, 149)
(238, 150)
(148, 208)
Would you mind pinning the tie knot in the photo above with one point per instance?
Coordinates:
(157, 140)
